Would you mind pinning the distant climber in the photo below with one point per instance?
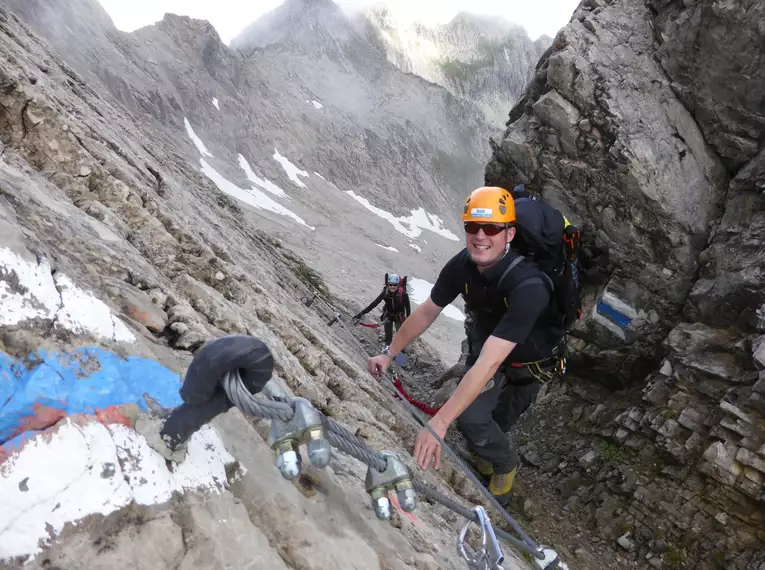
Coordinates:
(396, 309)
(516, 338)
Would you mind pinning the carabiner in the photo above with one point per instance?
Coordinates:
(490, 556)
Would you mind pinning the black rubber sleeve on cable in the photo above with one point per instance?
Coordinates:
(202, 394)
(251, 356)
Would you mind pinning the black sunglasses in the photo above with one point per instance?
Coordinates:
(488, 229)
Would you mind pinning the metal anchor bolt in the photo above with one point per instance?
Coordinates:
(305, 426)
(549, 560)
(395, 477)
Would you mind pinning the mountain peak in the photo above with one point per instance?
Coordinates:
(176, 22)
(294, 20)
(485, 23)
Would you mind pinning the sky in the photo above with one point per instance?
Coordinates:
(229, 17)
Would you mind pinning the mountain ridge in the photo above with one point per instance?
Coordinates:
(488, 60)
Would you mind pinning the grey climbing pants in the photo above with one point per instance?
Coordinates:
(494, 412)
(389, 321)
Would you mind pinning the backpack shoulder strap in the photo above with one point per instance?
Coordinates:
(464, 272)
(510, 267)
(542, 279)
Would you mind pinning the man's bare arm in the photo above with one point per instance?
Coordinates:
(495, 350)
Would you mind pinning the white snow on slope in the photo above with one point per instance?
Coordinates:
(291, 170)
(195, 139)
(415, 247)
(215, 102)
(421, 291)
(264, 183)
(316, 104)
(418, 220)
(75, 471)
(253, 197)
(388, 247)
(29, 291)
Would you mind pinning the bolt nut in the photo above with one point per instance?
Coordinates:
(407, 498)
(382, 508)
(289, 463)
(319, 452)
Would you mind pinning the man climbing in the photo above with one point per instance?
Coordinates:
(512, 341)
(396, 308)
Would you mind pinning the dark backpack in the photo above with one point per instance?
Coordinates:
(545, 236)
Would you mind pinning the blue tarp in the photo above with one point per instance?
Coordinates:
(82, 380)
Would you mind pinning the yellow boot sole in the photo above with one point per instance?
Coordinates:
(501, 485)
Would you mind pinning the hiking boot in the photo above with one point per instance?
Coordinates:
(501, 485)
(484, 468)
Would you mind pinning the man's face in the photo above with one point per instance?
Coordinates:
(392, 287)
(486, 241)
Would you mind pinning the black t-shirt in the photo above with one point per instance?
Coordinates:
(524, 320)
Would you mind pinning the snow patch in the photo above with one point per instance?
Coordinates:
(79, 470)
(215, 102)
(29, 291)
(315, 103)
(388, 247)
(253, 197)
(421, 291)
(415, 247)
(320, 176)
(195, 139)
(418, 220)
(291, 170)
(264, 183)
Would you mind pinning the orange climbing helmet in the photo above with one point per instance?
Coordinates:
(490, 204)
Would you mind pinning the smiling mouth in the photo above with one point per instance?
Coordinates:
(482, 247)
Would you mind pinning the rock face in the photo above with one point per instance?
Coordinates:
(139, 172)
(479, 58)
(315, 124)
(606, 132)
(644, 125)
(102, 215)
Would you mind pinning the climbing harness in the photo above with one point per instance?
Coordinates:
(490, 556)
(386, 473)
